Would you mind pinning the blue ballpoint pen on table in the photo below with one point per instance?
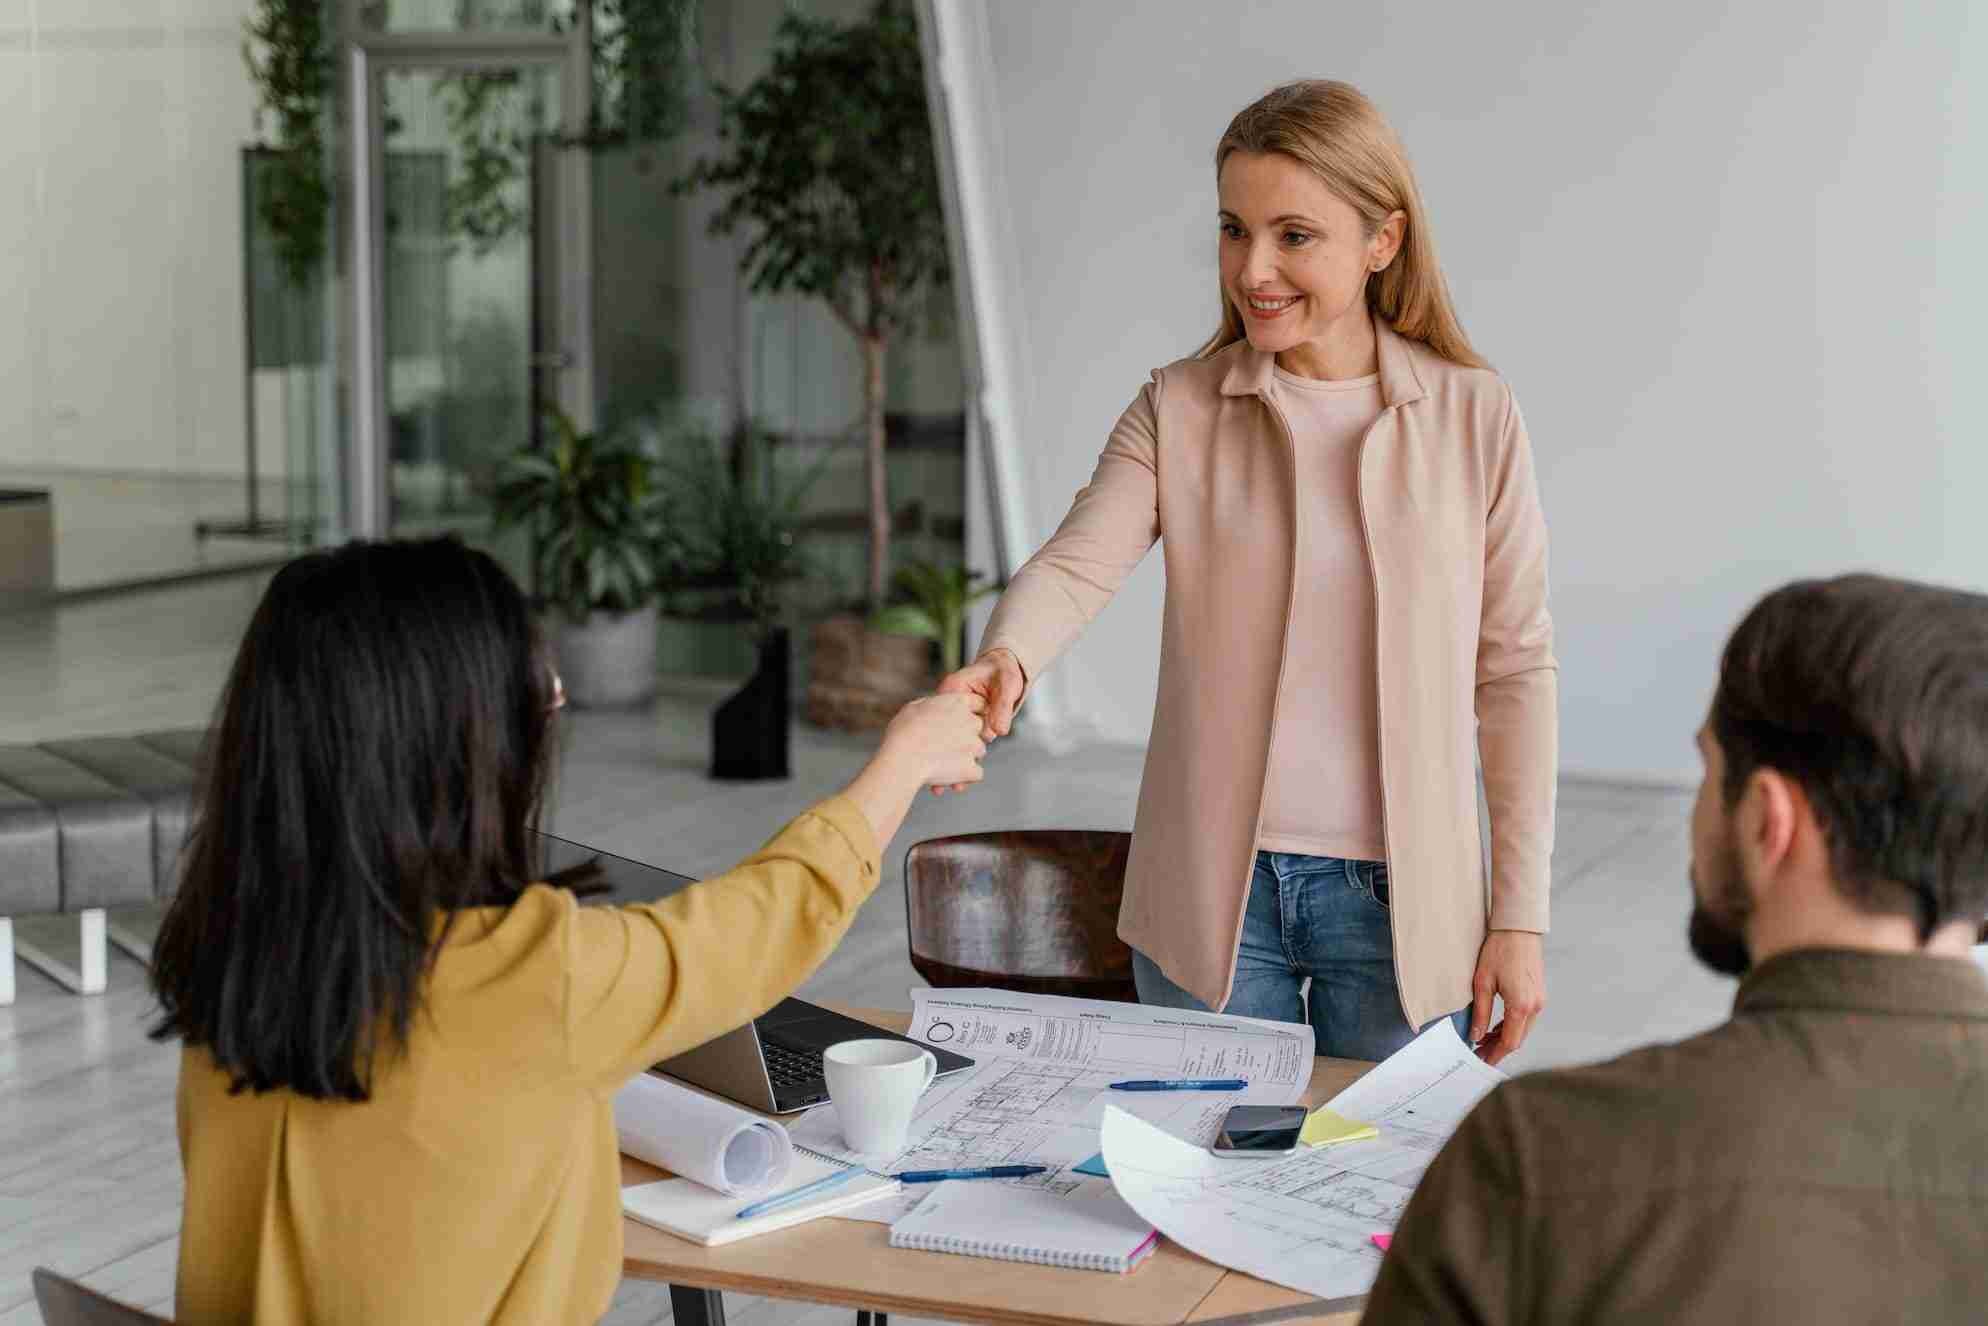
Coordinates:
(795, 1194)
(986, 1172)
(1183, 1084)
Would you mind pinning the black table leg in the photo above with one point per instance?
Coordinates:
(706, 1307)
(697, 1307)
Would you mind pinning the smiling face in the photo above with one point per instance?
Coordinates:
(1295, 256)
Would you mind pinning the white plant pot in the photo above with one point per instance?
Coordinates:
(608, 661)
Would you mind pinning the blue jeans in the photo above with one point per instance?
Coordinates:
(1322, 917)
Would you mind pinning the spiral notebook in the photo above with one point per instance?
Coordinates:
(1090, 1230)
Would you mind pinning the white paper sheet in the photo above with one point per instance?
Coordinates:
(1040, 1083)
(1416, 1097)
(699, 1137)
(1306, 1221)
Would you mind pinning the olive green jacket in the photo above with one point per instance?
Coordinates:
(1822, 1157)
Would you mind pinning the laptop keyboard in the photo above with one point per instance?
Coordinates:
(790, 1067)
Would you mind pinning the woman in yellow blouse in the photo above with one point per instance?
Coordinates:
(395, 1099)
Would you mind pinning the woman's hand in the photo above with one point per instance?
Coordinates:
(938, 739)
(995, 678)
(1512, 966)
(933, 740)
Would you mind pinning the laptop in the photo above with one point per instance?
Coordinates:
(773, 1062)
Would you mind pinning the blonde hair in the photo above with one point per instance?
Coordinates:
(1335, 131)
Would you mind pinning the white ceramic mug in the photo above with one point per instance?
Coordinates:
(875, 1086)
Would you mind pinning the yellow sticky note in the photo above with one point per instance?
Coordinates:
(1323, 1128)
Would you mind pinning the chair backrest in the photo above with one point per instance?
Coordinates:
(1033, 910)
(63, 1302)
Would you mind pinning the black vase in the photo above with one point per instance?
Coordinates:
(749, 730)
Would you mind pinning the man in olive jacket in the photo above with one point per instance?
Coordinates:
(1823, 1156)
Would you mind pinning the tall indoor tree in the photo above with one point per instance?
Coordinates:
(826, 162)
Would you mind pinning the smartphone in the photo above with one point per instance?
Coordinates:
(1260, 1130)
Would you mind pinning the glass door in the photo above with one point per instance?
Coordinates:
(471, 318)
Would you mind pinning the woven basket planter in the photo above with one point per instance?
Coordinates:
(858, 678)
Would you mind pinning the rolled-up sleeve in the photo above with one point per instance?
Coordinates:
(1111, 526)
(649, 981)
(1518, 726)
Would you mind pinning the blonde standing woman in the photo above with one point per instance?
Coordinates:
(1355, 616)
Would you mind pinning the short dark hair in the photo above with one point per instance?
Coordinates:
(1872, 695)
(377, 763)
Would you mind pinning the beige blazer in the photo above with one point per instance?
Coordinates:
(1457, 543)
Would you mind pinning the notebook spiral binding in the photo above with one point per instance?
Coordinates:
(1003, 1249)
(1015, 1252)
(827, 1159)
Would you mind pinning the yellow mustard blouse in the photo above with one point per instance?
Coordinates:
(480, 1183)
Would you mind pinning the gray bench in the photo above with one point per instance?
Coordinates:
(90, 836)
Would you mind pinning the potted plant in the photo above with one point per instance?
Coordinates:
(597, 525)
(289, 57)
(936, 600)
(735, 528)
(827, 163)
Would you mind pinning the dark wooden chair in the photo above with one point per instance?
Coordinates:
(63, 1302)
(1033, 911)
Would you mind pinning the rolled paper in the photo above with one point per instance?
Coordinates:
(699, 1137)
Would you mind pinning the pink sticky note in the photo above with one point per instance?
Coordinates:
(1382, 1240)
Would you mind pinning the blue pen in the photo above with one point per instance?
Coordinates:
(986, 1172)
(1183, 1084)
(795, 1194)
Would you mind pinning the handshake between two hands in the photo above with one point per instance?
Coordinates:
(944, 735)
(938, 741)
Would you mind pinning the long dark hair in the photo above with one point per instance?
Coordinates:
(378, 761)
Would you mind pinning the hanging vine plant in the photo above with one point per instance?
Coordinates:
(643, 62)
(289, 61)
(644, 68)
(492, 120)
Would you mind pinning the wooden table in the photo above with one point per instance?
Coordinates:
(850, 1263)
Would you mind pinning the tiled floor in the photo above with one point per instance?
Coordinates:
(89, 1178)
(121, 663)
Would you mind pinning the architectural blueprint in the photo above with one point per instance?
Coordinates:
(1130, 1040)
(1040, 1083)
(1305, 1220)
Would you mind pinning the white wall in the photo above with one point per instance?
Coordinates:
(120, 234)
(1731, 258)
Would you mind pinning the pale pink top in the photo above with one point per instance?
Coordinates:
(1323, 797)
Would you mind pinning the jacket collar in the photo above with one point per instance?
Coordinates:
(1251, 370)
(1859, 981)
